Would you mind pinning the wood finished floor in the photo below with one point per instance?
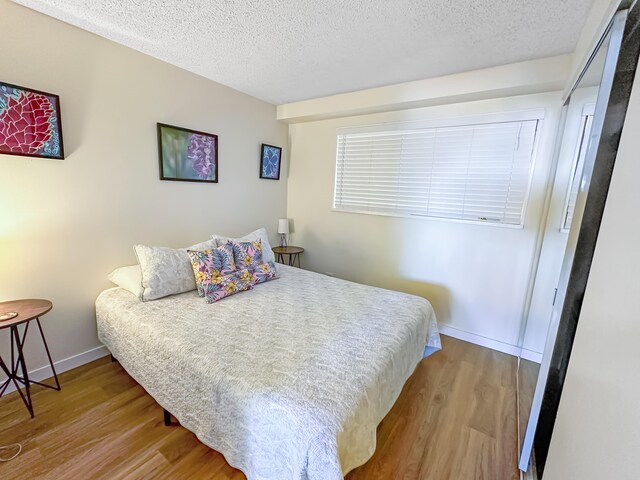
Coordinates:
(527, 376)
(455, 419)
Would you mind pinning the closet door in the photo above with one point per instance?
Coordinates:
(595, 157)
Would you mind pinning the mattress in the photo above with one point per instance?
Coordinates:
(288, 380)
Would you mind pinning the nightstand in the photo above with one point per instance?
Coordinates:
(12, 314)
(292, 253)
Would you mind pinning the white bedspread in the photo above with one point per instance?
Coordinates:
(288, 380)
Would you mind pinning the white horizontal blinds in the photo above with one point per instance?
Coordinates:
(578, 167)
(470, 172)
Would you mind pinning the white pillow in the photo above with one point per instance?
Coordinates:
(260, 234)
(129, 278)
(167, 271)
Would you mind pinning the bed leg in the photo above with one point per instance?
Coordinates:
(113, 359)
(167, 417)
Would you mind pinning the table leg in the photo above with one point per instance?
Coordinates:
(46, 347)
(15, 362)
(25, 373)
(11, 371)
(10, 377)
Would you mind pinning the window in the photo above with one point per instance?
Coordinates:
(477, 172)
(578, 166)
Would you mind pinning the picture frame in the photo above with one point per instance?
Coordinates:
(30, 123)
(187, 155)
(270, 162)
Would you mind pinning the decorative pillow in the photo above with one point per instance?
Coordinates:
(264, 272)
(260, 234)
(226, 285)
(167, 271)
(211, 263)
(247, 254)
(129, 278)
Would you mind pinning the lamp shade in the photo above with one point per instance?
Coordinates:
(283, 226)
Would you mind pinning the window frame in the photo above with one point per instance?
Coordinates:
(536, 114)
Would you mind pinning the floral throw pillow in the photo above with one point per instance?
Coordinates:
(211, 264)
(264, 272)
(226, 285)
(247, 254)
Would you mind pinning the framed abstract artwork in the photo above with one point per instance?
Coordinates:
(270, 162)
(187, 155)
(30, 123)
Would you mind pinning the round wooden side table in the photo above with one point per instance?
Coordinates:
(15, 313)
(293, 254)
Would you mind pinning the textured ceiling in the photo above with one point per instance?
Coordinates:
(284, 50)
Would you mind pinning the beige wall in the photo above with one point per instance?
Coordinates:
(64, 225)
(532, 76)
(476, 276)
(597, 430)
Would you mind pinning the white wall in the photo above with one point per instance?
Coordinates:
(597, 430)
(64, 225)
(476, 276)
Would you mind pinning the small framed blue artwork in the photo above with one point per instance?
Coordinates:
(270, 162)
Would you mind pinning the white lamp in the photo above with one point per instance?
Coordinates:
(283, 230)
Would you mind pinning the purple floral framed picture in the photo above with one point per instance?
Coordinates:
(187, 155)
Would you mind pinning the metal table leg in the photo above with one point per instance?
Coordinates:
(46, 347)
(18, 363)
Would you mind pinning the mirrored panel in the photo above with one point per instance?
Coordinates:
(578, 140)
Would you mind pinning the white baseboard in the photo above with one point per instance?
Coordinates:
(531, 355)
(66, 364)
(489, 343)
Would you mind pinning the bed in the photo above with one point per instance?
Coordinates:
(288, 380)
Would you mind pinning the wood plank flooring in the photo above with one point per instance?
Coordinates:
(527, 378)
(455, 419)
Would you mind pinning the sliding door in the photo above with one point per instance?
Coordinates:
(594, 114)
